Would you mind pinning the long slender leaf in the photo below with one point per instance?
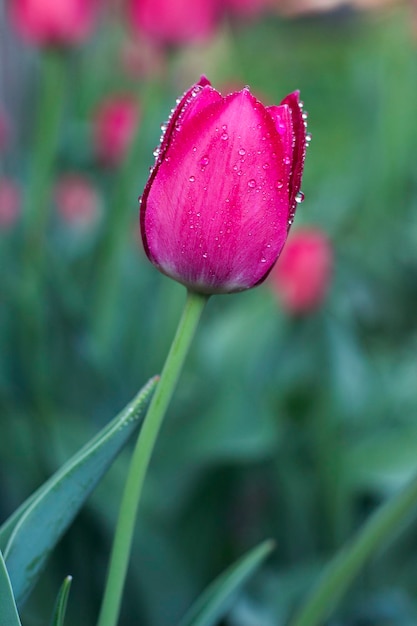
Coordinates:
(217, 599)
(35, 528)
(8, 611)
(61, 603)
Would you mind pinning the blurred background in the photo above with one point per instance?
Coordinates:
(296, 415)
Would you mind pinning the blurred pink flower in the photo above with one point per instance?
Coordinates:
(302, 275)
(77, 200)
(115, 122)
(10, 203)
(53, 22)
(174, 21)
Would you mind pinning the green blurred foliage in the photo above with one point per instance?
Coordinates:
(288, 428)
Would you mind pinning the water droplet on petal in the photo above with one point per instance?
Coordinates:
(279, 184)
(308, 138)
(287, 160)
(263, 260)
(252, 183)
(242, 152)
(224, 136)
(299, 197)
(205, 255)
(265, 166)
(204, 161)
(192, 179)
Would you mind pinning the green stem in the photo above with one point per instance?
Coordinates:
(122, 543)
(343, 569)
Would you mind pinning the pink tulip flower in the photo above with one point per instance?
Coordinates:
(302, 276)
(219, 202)
(77, 201)
(174, 21)
(10, 203)
(53, 22)
(115, 123)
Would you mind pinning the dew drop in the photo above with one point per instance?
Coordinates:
(299, 197)
(281, 128)
(287, 160)
(164, 126)
(265, 166)
(156, 152)
(205, 255)
(204, 161)
(224, 136)
(242, 152)
(252, 183)
(263, 260)
(279, 184)
(195, 149)
(308, 138)
(192, 179)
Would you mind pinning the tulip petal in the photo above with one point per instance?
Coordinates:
(215, 211)
(299, 153)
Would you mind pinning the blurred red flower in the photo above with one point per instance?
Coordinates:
(302, 275)
(53, 22)
(10, 203)
(115, 122)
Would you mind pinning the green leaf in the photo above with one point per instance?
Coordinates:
(35, 528)
(61, 603)
(217, 599)
(8, 610)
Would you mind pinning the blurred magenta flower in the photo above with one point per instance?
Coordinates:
(115, 122)
(174, 21)
(10, 203)
(219, 202)
(302, 276)
(53, 22)
(77, 200)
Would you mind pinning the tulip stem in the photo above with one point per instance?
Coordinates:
(346, 565)
(123, 538)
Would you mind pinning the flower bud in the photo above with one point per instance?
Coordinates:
(53, 22)
(10, 203)
(219, 202)
(301, 278)
(115, 122)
